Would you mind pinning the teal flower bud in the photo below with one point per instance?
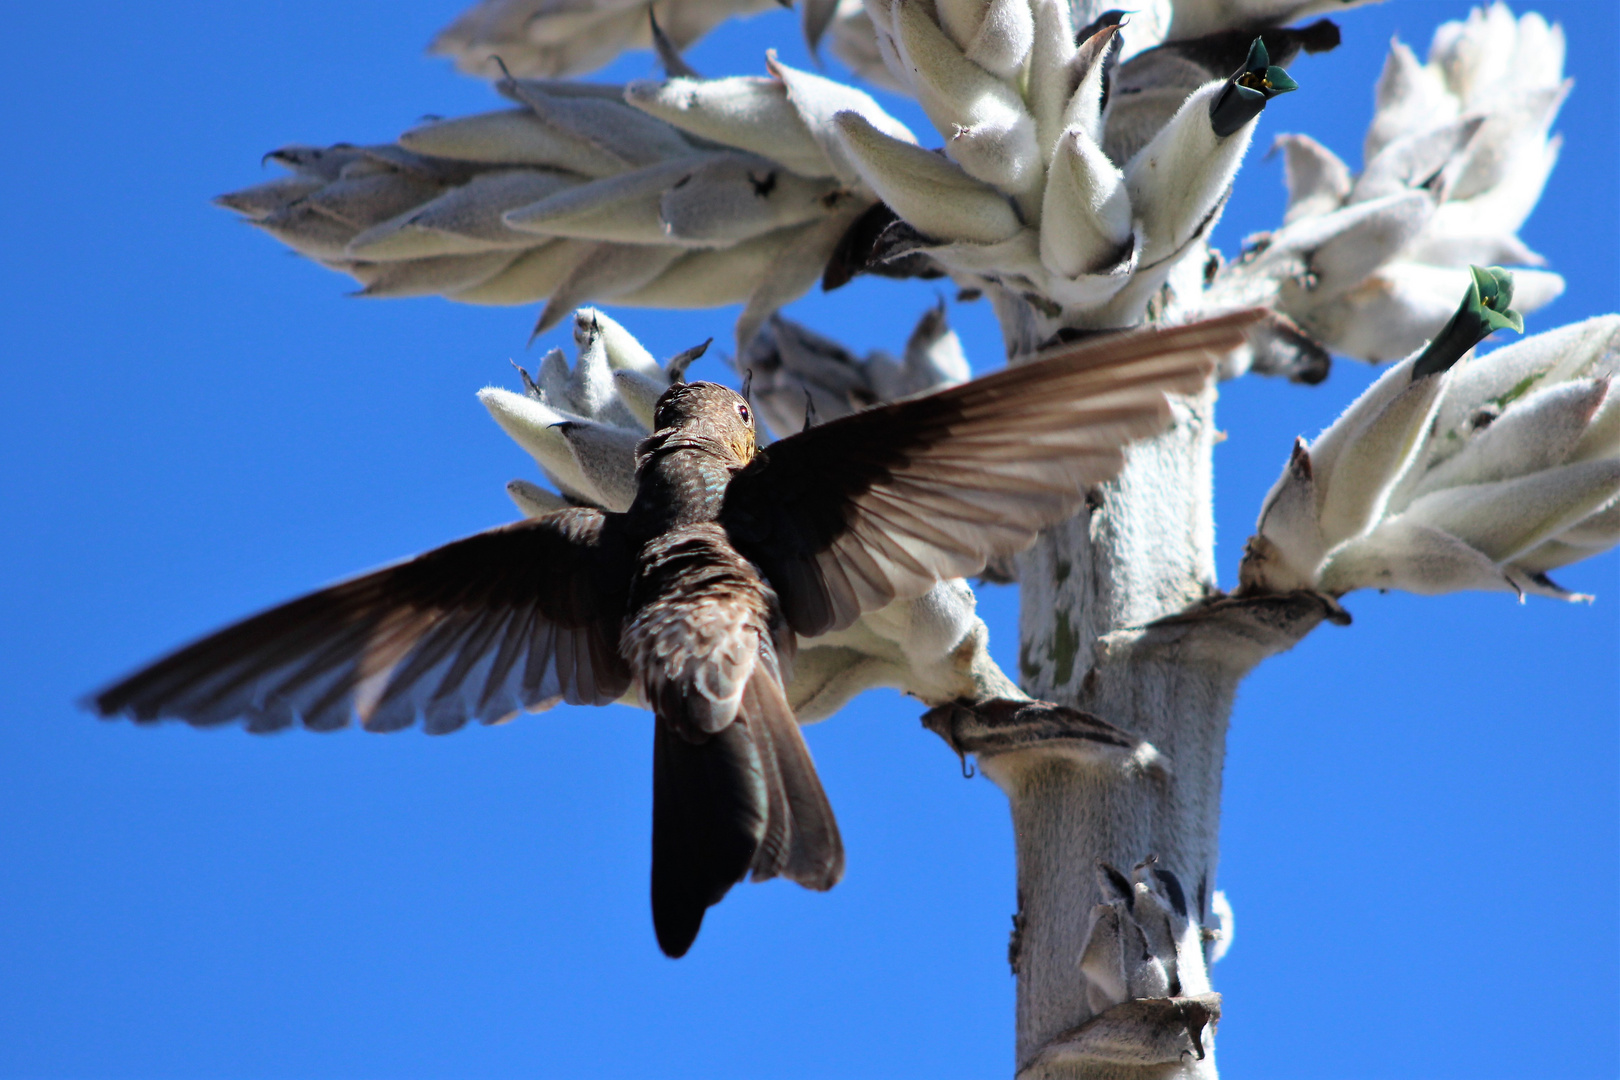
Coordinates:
(1486, 308)
(1247, 91)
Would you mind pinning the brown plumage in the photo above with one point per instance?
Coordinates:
(695, 596)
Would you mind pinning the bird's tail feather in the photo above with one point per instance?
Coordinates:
(709, 816)
(745, 799)
(801, 842)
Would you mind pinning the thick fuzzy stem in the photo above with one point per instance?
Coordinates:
(1144, 554)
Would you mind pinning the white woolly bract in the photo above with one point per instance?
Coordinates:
(1456, 157)
(545, 39)
(1486, 476)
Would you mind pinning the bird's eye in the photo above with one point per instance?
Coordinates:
(742, 411)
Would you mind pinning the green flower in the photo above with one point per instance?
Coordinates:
(1485, 309)
(1247, 91)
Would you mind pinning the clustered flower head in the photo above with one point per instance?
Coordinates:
(678, 193)
(1453, 472)
(1062, 190)
(798, 376)
(1081, 170)
(1145, 965)
(581, 424)
(1455, 160)
(1070, 185)
(555, 38)
(1144, 940)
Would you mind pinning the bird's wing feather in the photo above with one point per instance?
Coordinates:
(515, 617)
(874, 507)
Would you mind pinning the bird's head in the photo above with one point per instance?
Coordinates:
(711, 413)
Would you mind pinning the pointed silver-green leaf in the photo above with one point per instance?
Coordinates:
(1602, 436)
(640, 393)
(1086, 213)
(932, 194)
(715, 277)
(611, 126)
(605, 272)
(1051, 74)
(749, 112)
(1318, 182)
(607, 459)
(1416, 160)
(364, 201)
(1353, 495)
(511, 137)
(1366, 236)
(532, 500)
(262, 200)
(1598, 531)
(1509, 517)
(466, 218)
(1088, 72)
(622, 208)
(439, 276)
(310, 232)
(1179, 180)
(534, 426)
(740, 196)
(1414, 558)
(987, 129)
(994, 34)
(818, 101)
(532, 276)
(1535, 433)
(1288, 519)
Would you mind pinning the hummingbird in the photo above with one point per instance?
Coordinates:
(695, 597)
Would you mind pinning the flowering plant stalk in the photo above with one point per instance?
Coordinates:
(1076, 166)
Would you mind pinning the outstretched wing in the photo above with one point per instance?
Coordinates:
(517, 617)
(874, 507)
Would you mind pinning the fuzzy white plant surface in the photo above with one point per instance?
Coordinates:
(558, 38)
(685, 193)
(555, 38)
(1456, 157)
(1486, 475)
(1081, 171)
(1071, 204)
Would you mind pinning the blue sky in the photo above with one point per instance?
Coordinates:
(1420, 831)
